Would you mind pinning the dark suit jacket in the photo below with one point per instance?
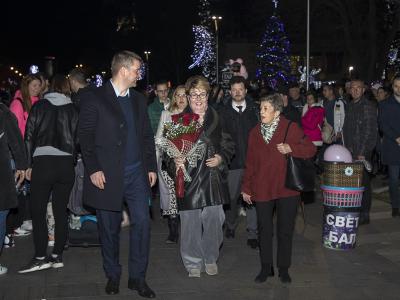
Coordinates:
(102, 134)
(389, 113)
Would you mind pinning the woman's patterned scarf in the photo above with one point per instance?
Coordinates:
(268, 130)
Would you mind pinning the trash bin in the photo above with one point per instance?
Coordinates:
(341, 216)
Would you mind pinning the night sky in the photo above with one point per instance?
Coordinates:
(85, 32)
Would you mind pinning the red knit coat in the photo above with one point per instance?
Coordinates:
(264, 176)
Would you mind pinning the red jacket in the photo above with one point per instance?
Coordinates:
(312, 122)
(264, 176)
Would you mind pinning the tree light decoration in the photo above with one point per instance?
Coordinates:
(203, 55)
(303, 76)
(99, 80)
(33, 69)
(273, 54)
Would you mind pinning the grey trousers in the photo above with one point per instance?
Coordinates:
(234, 184)
(201, 236)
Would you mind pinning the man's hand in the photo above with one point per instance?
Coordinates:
(28, 174)
(152, 178)
(214, 161)
(398, 140)
(98, 179)
(19, 177)
(246, 198)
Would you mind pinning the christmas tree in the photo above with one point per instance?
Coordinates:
(203, 53)
(273, 54)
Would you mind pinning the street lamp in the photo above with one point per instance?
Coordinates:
(216, 19)
(351, 68)
(147, 53)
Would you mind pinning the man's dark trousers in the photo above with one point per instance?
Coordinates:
(137, 198)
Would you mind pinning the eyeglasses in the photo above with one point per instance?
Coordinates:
(201, 96)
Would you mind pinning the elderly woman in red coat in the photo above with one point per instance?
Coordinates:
(264, 182)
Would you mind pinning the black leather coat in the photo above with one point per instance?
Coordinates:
(10, 139)
(51, 125)
(209, 185)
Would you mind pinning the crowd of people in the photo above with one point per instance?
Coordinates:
(235, 163)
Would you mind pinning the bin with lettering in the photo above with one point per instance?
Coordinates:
(341, 216)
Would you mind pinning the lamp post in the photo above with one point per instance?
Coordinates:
(216, 19)
(147, 53)
(308, 48)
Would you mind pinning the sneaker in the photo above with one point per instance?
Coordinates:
(27, 225)
(21, 232)
(36, 265)
(56, 262)
(194, 273)
(9, 241)
(211, 269)
(3, 270)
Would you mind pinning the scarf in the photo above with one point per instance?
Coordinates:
(268, 130)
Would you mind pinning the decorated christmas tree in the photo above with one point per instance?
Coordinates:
(273, 54)
(204, 47)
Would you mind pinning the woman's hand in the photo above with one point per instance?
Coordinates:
(246, 198)
(19, 177)
(28, 174)
(214, 161)
(284, 148)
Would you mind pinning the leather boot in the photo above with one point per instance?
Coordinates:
(173, 235)
(266, 270)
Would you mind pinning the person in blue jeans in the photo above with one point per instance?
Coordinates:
(10, 140)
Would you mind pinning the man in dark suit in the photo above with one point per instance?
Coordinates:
(119, 155)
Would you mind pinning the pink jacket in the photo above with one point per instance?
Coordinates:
(312, 122)
(18, 110)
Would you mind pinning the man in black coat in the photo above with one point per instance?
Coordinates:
(360, 132)
(10, 139)
(118, 150)
(389, 112)
(238, 117)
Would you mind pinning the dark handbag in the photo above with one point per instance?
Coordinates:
(300, 172)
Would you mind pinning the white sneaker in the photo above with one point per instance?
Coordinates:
(27, 225)
(3, 270)
(194, 273)
(211, 269)
(9, 241)
(51, 243)
(21, 232)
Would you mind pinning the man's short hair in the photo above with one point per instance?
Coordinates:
(236, 80)
(359, 81)
(125, 59)
(162, 81)
(78, 75)
(396, 77)
(328, 86)
(294, 85)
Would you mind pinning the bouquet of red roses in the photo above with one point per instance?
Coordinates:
(179, 141)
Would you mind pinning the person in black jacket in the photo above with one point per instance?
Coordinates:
(10, 139)
(289, 111)
(118, 150)
(50, 139)
(238, 117)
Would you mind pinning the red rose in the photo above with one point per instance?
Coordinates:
(187, 118)
(175, 118)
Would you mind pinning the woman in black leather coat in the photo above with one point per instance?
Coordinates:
(201, 211)
(50, 139)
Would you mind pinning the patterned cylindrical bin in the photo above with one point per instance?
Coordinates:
(341, 204)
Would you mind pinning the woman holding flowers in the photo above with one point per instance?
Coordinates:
(167, 190)
(201, 170)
